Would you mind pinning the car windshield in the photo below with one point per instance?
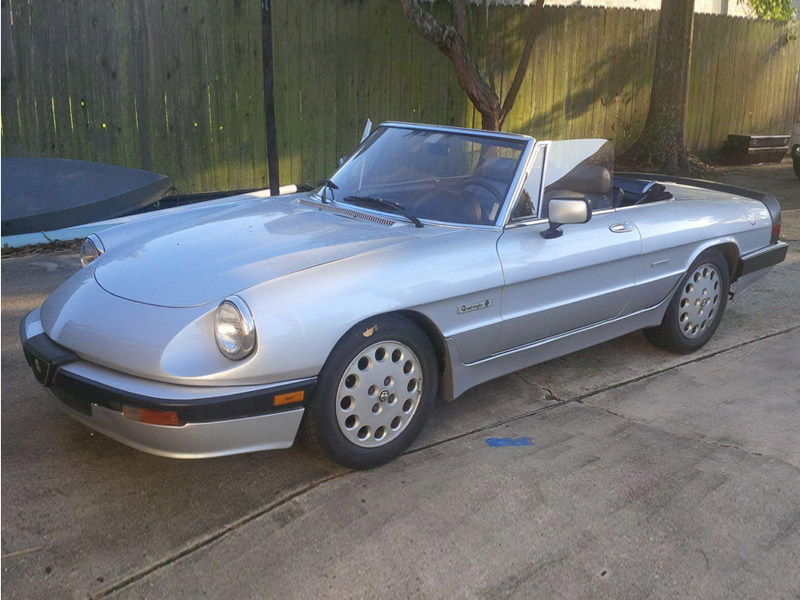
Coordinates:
(441, 176)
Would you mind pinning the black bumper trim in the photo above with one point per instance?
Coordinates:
(196, 410)
(44, 356)
(79, 393)
(775, 254)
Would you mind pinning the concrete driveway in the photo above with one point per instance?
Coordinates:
(650, 474)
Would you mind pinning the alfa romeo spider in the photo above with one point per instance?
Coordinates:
(434, 259)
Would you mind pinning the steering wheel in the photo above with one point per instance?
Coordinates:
(484, 185)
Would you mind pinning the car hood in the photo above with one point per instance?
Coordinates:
(196, 260)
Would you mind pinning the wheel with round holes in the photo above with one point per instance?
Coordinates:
(696, 309)
(374, 393)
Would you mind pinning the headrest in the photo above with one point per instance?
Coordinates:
(585, 179)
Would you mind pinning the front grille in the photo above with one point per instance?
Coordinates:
(353, 214)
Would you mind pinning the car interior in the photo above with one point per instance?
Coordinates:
(440, 176)
(596, 184)
(634, 192)
(473, 199)
(465, 179)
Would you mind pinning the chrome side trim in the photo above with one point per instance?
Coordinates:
(466, 376)
(560, 336)
(648, 204)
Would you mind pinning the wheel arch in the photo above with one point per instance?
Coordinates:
(731, 253)
(434, 334)
(431, 331)
(729, 249)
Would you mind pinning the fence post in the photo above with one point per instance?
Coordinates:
(269, 97)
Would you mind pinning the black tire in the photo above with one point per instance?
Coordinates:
(796, 163)
(321, 426)
(668, 335)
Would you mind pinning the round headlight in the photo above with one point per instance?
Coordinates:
(234, 328)
(91, 248)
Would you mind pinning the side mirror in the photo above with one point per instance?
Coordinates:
(563, 211)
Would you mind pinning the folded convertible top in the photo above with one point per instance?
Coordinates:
(768, 200)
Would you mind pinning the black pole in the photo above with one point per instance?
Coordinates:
(269, 98)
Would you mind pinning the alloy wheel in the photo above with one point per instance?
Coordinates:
(699, 302)
(378, 394)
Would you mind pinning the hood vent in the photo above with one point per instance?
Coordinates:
(353, 214)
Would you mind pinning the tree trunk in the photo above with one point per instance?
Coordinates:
(490, 121)
(662, 143)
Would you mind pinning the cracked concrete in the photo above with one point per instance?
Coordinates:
(609, 502)
(671, 475)
(753, 408)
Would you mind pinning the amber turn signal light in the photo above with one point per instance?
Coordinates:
(151, 416)
(290, 398)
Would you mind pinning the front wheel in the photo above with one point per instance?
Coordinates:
(796, 162)
(696, 309)
(374, 394)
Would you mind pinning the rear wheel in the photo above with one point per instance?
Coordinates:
(796, 161)
(696, 309)
(374, 394)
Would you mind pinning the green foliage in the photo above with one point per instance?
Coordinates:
(773, 10)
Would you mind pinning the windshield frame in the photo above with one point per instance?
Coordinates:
(513, 190)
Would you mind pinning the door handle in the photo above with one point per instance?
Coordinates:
(623, 227)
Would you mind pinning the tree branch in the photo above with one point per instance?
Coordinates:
(426, 24)
(448, 40)
(460, 18)
(534, 21)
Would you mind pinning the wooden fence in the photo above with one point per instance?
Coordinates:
(172, 86)
(176, 86)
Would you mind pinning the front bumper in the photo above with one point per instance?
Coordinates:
(214, 421)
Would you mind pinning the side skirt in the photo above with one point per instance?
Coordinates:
(466, 376)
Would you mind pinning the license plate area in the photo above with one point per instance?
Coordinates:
(72, 401)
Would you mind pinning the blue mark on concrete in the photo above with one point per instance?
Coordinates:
(504, 442)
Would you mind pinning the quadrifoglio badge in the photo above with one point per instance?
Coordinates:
(474, 306)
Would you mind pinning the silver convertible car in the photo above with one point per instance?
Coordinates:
(433, 260)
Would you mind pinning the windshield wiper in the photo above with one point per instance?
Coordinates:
(370, 202)
(328, 185)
